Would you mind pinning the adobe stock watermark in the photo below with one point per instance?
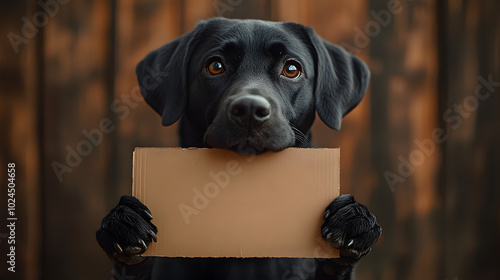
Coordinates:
(454, 118)
(94, 137)
(40, 19)
(381, 19)
(223, 6)
(203, 195)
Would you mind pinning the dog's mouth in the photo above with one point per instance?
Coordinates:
(248, 141)
(248, 148)
(253, 141)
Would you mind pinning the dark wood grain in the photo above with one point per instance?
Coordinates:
(472, 178)
(404, 112)
(19, 144)
(77, 74)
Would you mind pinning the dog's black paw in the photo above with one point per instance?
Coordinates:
(351, 228)
(127, 231)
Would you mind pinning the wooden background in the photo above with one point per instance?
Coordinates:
(440, 222)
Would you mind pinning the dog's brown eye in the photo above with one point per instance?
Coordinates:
(215, 67)
(291, 70)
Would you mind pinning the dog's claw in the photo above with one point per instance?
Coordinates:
(334, 243)
(148, 214)
(144, 246)
(324, 231)
(118, 248)
(153, 235)
(134, 250)
(351, 253)
(327, 214)
(329, 236)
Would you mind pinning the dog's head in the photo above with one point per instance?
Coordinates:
(251, 85)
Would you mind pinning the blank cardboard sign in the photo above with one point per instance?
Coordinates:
(217, 203)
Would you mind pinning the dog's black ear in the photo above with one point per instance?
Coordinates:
(162, 76)
(340, 83)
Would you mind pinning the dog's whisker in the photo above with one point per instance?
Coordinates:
(302, 138)
(299, 135)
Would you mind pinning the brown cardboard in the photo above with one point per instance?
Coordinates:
(235, 205)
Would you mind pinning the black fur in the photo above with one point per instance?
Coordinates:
(250, 107)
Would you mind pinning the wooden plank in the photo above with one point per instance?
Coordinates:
(404, 115)
(257, 9)
(472, 153)
(19, 117)
(78, 129)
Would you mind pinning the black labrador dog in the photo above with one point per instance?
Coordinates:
(250, 86)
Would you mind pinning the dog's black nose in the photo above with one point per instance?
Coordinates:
(249, 111)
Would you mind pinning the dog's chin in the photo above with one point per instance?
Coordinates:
(250, 146)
